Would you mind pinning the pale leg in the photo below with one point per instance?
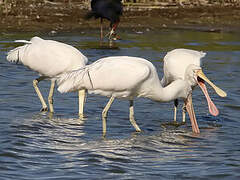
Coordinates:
(104, 115)
(50, 96)
(35, 83)
(82, 97)
(184, 113)
(191, 113)
(131, 116)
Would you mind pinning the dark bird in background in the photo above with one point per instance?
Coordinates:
(107, 9)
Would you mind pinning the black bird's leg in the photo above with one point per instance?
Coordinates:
(101, 29)
(112, 31)
(175, 109)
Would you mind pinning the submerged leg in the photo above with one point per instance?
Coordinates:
(174, 122)
(175, 110)
(104, 115)
(175, 114)
(131, 116)
(50, 96)
(35, 83)
(82, 97)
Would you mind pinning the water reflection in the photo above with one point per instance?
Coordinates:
(55, 134)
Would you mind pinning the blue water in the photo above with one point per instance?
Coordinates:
(35, 145)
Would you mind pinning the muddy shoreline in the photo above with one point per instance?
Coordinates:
(44, 19)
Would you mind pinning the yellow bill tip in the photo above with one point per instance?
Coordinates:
(219, 91)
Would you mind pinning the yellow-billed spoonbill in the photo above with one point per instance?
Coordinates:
(175, 64)
(128, 78)
(49, 58)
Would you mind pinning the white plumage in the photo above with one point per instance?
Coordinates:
(127, 78)
(49, 58)
(175, 64)
(121, 77)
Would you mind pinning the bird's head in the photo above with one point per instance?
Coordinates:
(195, 76)
(191, 75)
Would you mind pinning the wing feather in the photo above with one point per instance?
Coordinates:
(72, 81)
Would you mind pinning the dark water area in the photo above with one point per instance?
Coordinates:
(35, 145)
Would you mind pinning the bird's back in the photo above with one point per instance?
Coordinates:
(120, 76)
(176, 63)
(47, 57)
(109, 9)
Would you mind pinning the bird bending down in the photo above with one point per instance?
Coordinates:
(49, 58)
(106, 9)
(128, 78)
(175, 64)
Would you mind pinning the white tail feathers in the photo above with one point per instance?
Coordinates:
(23, 41)
(72, 81)
(16, 54)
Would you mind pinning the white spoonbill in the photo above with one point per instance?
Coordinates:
(128, 78)
(49, 58)
(175, 65)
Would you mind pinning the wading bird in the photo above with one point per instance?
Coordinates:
(175, 65)
(128, 78)
(49, 58)
(106, 9)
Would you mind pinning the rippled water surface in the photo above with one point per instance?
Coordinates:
(36, 145)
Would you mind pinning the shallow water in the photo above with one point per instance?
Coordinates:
(36, 145)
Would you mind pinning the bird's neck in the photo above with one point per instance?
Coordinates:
(177, 89)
